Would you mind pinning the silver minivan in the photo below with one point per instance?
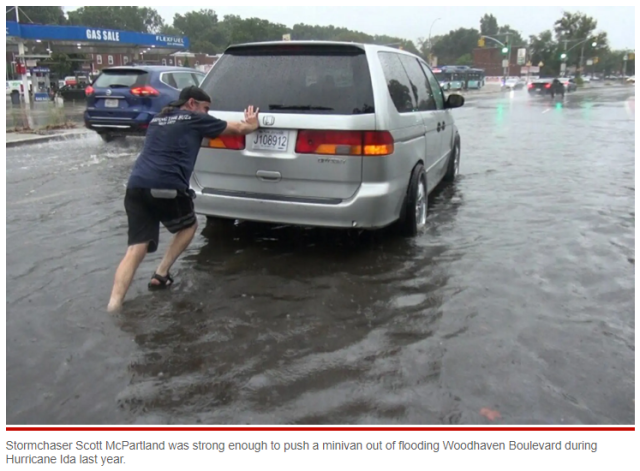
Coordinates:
(351, 136)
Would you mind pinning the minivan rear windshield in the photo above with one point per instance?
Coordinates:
(292, 79)
(121, 78)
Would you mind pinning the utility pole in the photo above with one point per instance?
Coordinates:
(431, 45)
(21, 54)
(563, 66)
(506, 69)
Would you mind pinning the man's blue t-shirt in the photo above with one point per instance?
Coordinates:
(170, 149)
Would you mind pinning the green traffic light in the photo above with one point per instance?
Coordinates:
(563, 56)
(505, 50)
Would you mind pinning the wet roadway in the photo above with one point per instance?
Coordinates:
(518, 298)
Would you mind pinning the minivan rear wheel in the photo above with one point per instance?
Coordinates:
(416, 206)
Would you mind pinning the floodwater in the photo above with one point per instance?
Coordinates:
(42, 114)
(518, 298)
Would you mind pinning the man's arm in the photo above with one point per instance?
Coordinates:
(247, 126)
(239, 127)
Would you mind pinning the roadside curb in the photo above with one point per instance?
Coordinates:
(48, 138)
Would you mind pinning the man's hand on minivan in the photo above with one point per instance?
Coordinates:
(251, 116)
(246, 126)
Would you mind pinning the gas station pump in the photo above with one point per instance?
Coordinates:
(40, 83)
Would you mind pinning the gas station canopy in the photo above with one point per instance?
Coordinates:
(90, 40)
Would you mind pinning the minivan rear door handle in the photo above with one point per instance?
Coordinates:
(268, 176)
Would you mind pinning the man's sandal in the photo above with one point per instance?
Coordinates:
(164, 282)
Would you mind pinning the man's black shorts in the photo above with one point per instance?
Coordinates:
(145, 213)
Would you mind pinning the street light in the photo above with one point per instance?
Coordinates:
(430, 45)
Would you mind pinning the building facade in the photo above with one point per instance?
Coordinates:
(490, 59)
(97, 62)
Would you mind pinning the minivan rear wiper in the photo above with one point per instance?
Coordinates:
(299, 107)
(118, 85)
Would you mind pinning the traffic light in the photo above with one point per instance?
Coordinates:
(505, 50)
(481, 42)
(632, 56)
(563, 56)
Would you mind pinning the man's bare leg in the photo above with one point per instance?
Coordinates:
(124, 274)
(180, 242)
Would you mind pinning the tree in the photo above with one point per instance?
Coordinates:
(170, 30)
(203, 29)
(38, 15)
(488, 25)
(451, 46)
(572, 29)
(141, 19)
(60, 64)
(543, 48)
(425, 46)
(506, 33)
(238, 30)
(574, 26)
(465, 59)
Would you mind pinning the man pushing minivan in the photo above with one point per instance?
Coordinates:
(158, 188)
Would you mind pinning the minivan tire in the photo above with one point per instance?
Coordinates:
(416, 204)
(453, 167)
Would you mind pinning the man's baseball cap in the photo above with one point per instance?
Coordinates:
(187, 93)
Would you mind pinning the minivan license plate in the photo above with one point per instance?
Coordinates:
(111, 103)
(270, 139)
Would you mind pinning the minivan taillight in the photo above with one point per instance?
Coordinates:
(344, 142)
(89, 90)
(145, 91)
(225, 142)
(378, 143)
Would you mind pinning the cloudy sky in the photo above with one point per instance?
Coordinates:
(415, 22)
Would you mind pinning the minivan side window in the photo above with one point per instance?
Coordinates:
(419, 83)
(397, 82)
(435, 86)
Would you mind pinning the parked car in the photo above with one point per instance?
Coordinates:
(14, 85)
(74, 92)
(122, 101)
(569, 84)
(513, 84)
(631, 79)
(351, 136)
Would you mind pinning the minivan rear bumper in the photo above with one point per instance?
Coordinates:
(374, 205)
